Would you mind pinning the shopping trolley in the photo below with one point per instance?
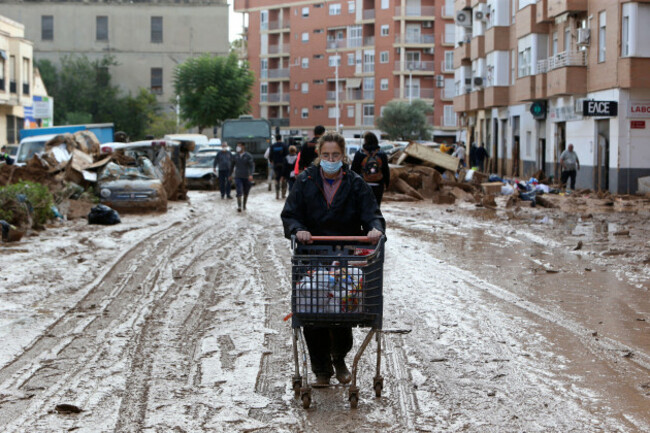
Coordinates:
(336, 281)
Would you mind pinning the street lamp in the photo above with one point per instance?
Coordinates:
(336, 87)
(410, 66)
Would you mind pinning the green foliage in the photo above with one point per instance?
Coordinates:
(213, 89)
(404, 121)
(17, 212)
(164, 123)
(83, 93)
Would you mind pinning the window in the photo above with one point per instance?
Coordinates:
(318, 31)
(554, 46)
(567, 38)
(352, 6)
(47, 28)
(156, 81)
(602, 33)
(2, 74)
(318, 5)
(383, 57)
(448, 92)
(525, 67)
(448, 8)
(448, 64)
(156, 30)
(369, 115)
(512, 67)
(12, 74)
(264, 20)
(625, 36)
(449, 116)
(318, 107)
(101, 28)
(385, 28)
(334, 61)
(335, 9)
(383, 84)
(11, 129)
(305, 12)
(384, 5)
(304, 113)
(412, 88)
(264, 90)
(450, 33)
(304, 88)
(318, 56)
(350, 110)
(305, 62)
(331, 112)
(319, 82)
(355, 36)
(305, 37)
(369, 61)
(351, 59)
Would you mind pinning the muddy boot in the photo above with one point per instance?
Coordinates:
(342, 373)
(284, 189)
(245, 200)
(238, 204)
(277, 191)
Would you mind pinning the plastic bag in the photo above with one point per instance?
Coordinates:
(104, 215)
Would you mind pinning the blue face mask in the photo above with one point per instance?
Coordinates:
(331, 167)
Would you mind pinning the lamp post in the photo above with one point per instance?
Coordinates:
(336, 88)
(410, 65)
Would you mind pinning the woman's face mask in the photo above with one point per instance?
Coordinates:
(240, 149)
(330, 167)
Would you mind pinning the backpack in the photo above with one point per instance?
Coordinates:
(371, 167)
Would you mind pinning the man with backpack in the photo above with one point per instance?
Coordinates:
(278, 151)
(308, 151)
(372, 165)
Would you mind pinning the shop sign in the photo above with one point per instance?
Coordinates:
(563, 114)
(538, 110)
(638, 109)
(599, 108)
(637, 124)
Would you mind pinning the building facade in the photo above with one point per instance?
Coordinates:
(312, 57)
(146, 38)
(20, 83)
(533, 76)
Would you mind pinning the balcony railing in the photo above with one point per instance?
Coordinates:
(414, 66)
(567, 58)
(354, 95)
(368, 120)
(276, 25)
(415, 93)
(338, 43)
(278, 49)
(279, 121)
(331, 95)
(368, 94)
(278, 73)
(369, 14)
(368, 41)
(278, 97)
(415, 39)
(416, 11)
(368, 68)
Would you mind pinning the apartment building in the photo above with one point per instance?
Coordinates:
(533, 76)
(340, 62)
(20, 83)
(147, 38)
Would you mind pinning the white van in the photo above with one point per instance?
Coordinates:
(30, 146)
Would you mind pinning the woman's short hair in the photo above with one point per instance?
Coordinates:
(292, 149)
(332, 136)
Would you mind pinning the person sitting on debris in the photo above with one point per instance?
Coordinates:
(328, 199)
(570, 165)
(4, 156)
(288, 174)
(242, 169)
(372, 165)
(460, 154)
(223, 161)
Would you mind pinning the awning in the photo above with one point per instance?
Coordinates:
(353, 83)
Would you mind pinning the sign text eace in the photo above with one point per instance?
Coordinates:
(599, 108)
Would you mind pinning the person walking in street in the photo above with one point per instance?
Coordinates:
(288, 174)
(308, 151)
(372, 165)
(329, 199)
(481, 156)
(276, 157)
(242, 170)
(223, 162)
(460, 154)
(569, 164)
(472, 155)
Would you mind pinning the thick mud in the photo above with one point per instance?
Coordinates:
(174, 323)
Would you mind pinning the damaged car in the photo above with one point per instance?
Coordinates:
(199, 173)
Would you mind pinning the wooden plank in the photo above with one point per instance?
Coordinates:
(432, 156)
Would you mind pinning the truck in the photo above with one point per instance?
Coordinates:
(32, 141)
(254, 133)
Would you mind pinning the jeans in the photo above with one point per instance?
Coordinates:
(327, 345)
(224, 183)
(566, 174)
(243, 186)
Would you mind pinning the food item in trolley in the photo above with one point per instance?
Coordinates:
(330, 290)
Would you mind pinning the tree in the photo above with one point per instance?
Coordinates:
(404, 121)
(213, 89)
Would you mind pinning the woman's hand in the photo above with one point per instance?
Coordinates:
(303, 236)
(374, 235)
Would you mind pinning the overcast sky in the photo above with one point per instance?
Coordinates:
(234, 24)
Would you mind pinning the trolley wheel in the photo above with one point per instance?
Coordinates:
(354, 399)
(296, 384)
(306, 401)
(378, 385)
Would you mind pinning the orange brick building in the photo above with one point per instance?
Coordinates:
(385, 50)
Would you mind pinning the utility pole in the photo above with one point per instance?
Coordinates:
(410, 82)
(336, 87)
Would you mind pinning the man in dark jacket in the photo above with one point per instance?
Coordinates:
(481, 156)
(308, 150)
(223, 161)
(243, 167)
(372, 165)
(276, 157)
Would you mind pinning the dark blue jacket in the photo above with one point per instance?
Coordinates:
(277, 153)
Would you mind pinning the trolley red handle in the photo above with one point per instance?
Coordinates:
(341, 238)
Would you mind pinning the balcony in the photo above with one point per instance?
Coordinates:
(278, 25)
(526, 22)
(337, 44)
(542, 12)
(415, 39)
(540, 86)
(570, 80)
(633, 72)
(416, 68)
(354, 95)
(497, 96)
(461, 103)
(282, 49)
(331, 95)
(477, 47)
(279, 121)
(273, 74)
(477, 100)
(497, 39)
(368, 14)
(277, 98)
(369, 41)
(423, 12)
(525, 88)
(461, 53)
(427, 93)
(368, 120)
(559, 7)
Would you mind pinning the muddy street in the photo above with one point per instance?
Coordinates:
(174, 323)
